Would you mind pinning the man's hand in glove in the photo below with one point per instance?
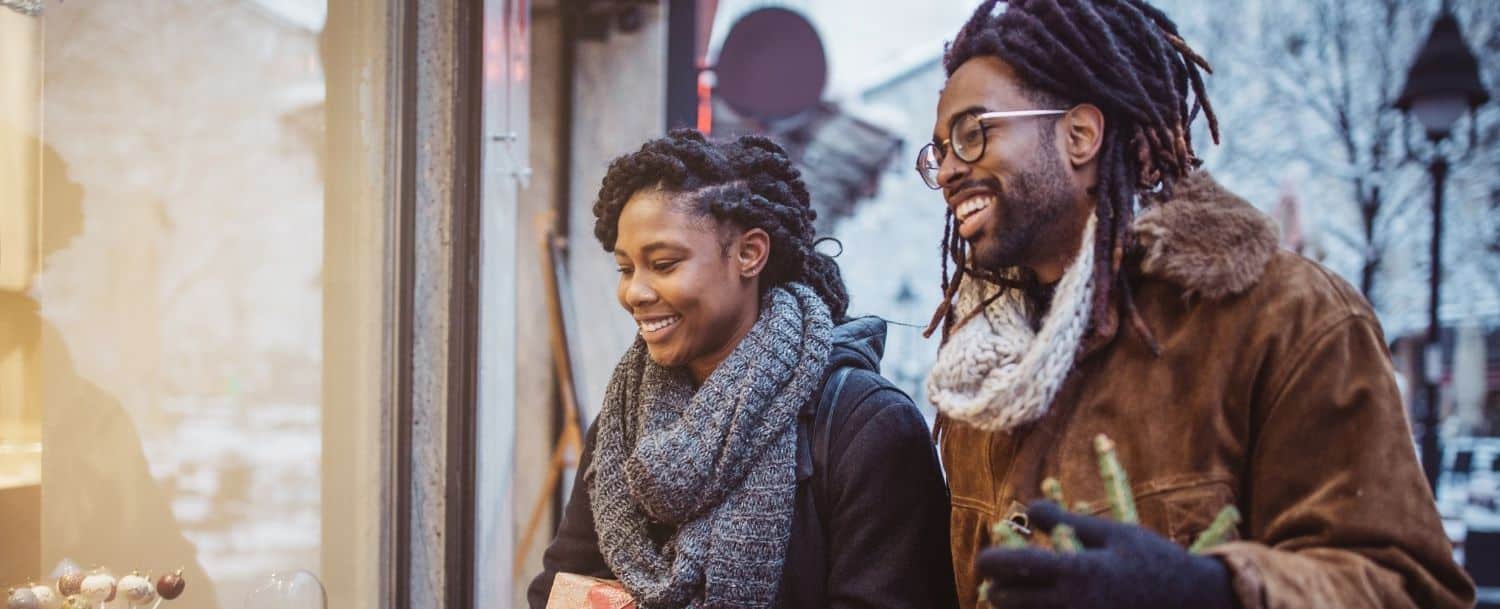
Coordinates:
(1121, 566)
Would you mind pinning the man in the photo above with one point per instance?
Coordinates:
(1225, 371)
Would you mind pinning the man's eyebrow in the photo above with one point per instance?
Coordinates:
(973, 109)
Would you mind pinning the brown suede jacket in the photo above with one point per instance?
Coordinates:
(1274, 391)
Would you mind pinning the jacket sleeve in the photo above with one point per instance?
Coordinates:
(888, 513)
(576, 547)
(1338, 512)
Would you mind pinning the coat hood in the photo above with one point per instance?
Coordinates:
(859, 343)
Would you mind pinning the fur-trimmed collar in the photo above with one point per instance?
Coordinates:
(1205, 239)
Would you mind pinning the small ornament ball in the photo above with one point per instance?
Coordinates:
(46, 597)
(99, 587)
(137, 590)
(70, 584)
(21, 598)
(170, 586)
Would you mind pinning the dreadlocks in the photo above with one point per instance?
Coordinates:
(1125, 57)
(747, 183)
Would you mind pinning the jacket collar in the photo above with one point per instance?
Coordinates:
(1205, 240)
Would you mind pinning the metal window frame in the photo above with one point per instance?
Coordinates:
(436, 82)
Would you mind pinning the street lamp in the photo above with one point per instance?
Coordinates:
(1442, 85)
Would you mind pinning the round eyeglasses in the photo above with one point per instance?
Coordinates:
(967, 139)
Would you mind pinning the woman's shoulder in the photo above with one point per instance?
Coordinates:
(873, 409)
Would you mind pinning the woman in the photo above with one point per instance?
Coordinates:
(718, 473)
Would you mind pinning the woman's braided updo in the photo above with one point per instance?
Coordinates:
(745, 183)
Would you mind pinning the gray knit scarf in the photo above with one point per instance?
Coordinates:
(718, 464)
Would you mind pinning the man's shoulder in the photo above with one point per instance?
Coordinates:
(1295, 284)
(1294, 294)
(1293, 302)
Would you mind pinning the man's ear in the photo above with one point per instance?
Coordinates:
(752, 250)
(1083, 134)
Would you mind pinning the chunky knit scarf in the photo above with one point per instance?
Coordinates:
(717, 464)
(994, 372)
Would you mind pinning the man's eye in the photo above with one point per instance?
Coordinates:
(971, 136)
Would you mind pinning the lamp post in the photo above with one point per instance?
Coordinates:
(1441, 86)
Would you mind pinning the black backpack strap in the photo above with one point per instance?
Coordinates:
(822, 440)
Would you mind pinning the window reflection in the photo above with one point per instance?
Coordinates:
(164, 375)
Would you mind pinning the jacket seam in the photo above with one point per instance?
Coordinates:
(1299, 358)
(1182, 483)
(1349, 309)
(975, 505)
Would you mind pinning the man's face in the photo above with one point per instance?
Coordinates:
(1017, 204)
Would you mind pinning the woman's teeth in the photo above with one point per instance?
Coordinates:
(659, 324)
(974, 206)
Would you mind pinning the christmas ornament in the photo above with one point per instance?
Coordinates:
(21, 598)
(46, 597)
(98, 587)
(71, 583)
(137, 590)
(170, 585)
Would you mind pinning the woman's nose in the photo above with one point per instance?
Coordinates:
(638, 293)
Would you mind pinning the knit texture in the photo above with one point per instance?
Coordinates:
(717, 464)
(994, 372)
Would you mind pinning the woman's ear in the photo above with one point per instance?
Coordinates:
(751, 252)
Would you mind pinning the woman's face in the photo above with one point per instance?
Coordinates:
(690, 284)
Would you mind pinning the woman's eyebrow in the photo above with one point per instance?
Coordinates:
(660, 245)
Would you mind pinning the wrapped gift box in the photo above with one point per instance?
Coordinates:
(570, 591)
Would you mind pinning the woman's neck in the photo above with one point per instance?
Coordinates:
(704, 366)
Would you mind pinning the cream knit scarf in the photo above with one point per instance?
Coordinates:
(994, 372)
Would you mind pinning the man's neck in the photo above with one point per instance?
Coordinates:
(1051, 272)
(1059, 248)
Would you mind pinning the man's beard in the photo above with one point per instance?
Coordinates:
(1031, 224)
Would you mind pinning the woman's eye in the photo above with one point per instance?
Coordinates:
(665, 265)
(624, 270)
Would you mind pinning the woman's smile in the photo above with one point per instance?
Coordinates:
(656, 329)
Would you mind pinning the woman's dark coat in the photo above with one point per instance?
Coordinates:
(870, 528)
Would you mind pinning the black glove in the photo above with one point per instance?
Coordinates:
(1122, 566)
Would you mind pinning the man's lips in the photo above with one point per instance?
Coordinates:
(974, 205)
(971, 207)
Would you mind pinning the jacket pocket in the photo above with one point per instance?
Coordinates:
(1189, 510)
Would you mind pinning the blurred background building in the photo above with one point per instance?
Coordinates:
(274, 293)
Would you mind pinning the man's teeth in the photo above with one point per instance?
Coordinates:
(973, 206)
(652, 326)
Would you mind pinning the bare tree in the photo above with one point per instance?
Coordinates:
(1308, 87)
